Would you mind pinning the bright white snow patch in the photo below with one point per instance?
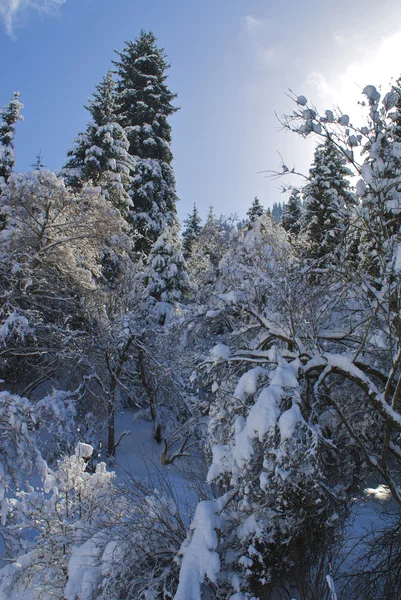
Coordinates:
(381, 492)
(199, 557)
(83, 450)
(220, 351)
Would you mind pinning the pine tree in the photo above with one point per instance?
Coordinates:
(292, 213)
(327, 197)
(143, 108)
(255, 211)
(9, 115)
(191, 233)
(100, 155)
(277, 212)
(38, 165)
(167, 278)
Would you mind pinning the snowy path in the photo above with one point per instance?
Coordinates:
(139, 456)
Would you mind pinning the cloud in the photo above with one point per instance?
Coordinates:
(373, 64)
(11, 10)
(252, 24)
(258, 37)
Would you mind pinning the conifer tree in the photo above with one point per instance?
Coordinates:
(326, 199)
(143, 107)
(191, 232)
(38, 165)
(9, 116)
(255, 211)
(100, 155)
(167, 278)
(277, 212)
(292, 213)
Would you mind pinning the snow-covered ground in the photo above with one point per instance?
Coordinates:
(140, 456)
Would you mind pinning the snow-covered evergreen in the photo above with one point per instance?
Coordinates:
(292, 212)
(10, 115)
(101, 154)
(166, 277)
(191, 232)
(327, 197)
(255, 211)
(143, 105)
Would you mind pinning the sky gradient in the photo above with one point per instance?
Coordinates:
(231, 64)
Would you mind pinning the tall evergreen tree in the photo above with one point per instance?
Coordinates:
(9, 116)
(144, 104)
(292, 212)
(255, 211)
(326, 199)
(100, 155)
(191, 232)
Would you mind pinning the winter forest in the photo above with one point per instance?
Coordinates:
(205, 411)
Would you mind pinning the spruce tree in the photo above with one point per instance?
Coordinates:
(166, 278)
(292, 212)
(277, 212)
(100, 155)
(255, 211)
(144, 104)
(38, 165)
(327, 197)
(191, 232)
(9, 116)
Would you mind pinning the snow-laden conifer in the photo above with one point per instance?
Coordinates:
(191, 232)
(292, 213)
(166, 276)
(143, 108)
(255, 211)
(10, 115)
(101, 154)
(327, 196)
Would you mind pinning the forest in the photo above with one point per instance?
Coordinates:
(260, 356)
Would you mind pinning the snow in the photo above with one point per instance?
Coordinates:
(261, 418)
(301, 100)
(229, 297)
(381, 493)
(330, 583)
(288, 422)
(199, 557)
(83, 450)
(83, 576)
(220, 351)
(15, 324)
(371, 92)
(248, 382)
(360, 189)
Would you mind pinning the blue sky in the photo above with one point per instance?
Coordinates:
(232, 62)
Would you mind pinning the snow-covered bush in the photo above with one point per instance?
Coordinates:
(19, 453)
(70, 509)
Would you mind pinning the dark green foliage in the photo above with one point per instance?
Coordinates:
(143, 108)
(255, 211)
(292, 212)
(100, 155)
(326, 198)
(191, 232)
(277, 212)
